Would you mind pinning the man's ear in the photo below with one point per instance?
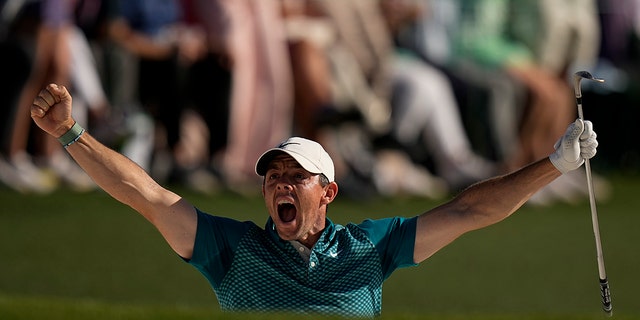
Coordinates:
(330, 192)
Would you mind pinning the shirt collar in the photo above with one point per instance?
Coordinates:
(324, 240)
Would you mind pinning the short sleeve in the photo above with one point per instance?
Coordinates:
(394, 238)
(216, 241)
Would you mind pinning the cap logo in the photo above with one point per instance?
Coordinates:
(286, 143)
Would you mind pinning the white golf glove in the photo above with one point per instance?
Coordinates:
(578, 143)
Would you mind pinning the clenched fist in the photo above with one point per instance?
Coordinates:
(578, 143)
(51, 110)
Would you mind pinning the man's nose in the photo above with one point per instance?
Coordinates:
(284, 183)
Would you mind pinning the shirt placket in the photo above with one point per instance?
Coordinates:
(313, 267)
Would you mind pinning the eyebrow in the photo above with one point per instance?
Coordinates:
(287, 161)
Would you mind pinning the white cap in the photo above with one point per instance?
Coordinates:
(309, 154)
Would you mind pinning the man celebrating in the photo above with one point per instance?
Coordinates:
(300, 261)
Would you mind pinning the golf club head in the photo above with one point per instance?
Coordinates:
(587, 75)
(578, 76)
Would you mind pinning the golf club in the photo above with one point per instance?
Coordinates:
(604, 283)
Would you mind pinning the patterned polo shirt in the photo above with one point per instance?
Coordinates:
(252, 269)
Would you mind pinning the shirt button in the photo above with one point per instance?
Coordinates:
(301, 249)
(313, 264)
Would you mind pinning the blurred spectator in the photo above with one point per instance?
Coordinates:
(366, 73)
(515, 50)
(491, 90)
(426, 110)
(307, 33)
(47, 27)
(249, 35)
(332, 96)
(243, 66)
(127, 126)
(570, 42)
(165, 49)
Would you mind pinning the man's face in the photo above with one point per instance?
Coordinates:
(296, 200)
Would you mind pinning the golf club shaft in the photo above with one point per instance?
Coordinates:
(604, 283)
(592, 203)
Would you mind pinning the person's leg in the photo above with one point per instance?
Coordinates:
(260, 114)
(427, 109)
(312, 86)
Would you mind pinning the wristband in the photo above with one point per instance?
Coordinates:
(72, 135)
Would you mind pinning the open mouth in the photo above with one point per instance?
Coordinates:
(286, 212)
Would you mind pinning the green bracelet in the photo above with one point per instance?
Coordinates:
(72, 135)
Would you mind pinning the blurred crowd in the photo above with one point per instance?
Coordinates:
(411, 97)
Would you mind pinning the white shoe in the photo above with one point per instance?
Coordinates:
(578, 179)
(22, 175)
(563, 190)
(394, 174)
(571, 188)
(466, 170)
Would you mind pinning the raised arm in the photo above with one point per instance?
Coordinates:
(493, 200)
(123, 179)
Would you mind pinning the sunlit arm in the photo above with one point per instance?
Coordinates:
(480, 205)
(128, 183)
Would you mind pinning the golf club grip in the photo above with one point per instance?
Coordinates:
(606, 296)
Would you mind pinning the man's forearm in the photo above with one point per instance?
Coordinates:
(122, 178)
(495, 199)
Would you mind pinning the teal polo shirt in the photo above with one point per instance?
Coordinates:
(252, 269)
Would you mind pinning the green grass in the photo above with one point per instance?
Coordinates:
(85, 256)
